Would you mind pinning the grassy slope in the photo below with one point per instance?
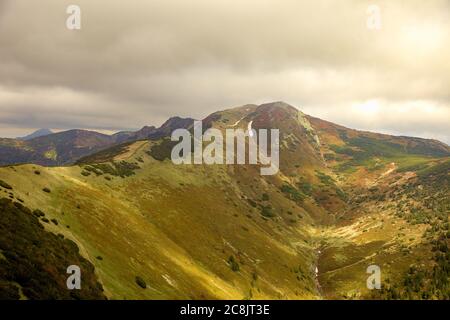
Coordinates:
(394, 217)
(200, 231)
(175, 229)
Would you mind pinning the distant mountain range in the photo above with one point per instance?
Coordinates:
(51, 149)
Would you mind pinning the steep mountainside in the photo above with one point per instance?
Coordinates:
(33, 262)
(342, 200)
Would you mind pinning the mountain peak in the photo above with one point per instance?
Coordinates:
(278, 105)
(177, 122)
(36, 134)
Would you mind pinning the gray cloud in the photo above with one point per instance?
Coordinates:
(139, 62)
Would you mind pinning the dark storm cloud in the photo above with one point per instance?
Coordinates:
(137, 62)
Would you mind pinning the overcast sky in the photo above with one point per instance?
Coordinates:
(136, 62)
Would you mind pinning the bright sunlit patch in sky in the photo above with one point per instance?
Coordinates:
(421, 39)
(369, 108)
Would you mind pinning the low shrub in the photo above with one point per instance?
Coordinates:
(292, 192)
(38, 213)
(35, 261)
(5, 185)
(266, 211)
(234, 265)
(140, 282)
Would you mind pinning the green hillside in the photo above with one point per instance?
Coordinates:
(341, 202)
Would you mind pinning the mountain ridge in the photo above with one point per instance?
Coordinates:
(337, 205)
(54, 148)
